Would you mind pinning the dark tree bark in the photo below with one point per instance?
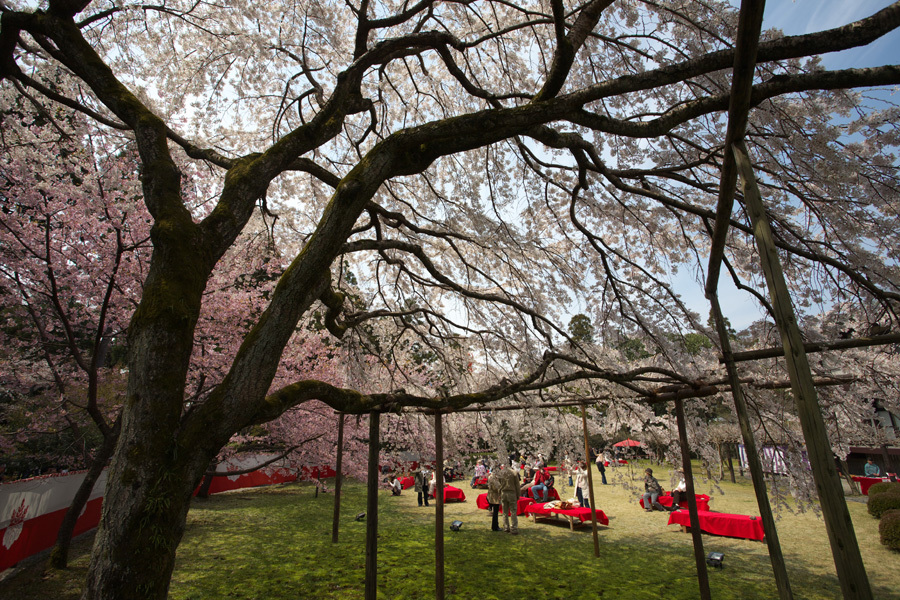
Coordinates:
(59, 556)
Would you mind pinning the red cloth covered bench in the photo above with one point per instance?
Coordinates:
(540, 510)
(554, 495)
(482, 503)
(453, 494)
(866, 482)
(738, 526)
(666, 500)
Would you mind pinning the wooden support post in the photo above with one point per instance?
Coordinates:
(888, 463)
(372, 509)
(587, 460)
(844, 547)
(439, 512)
(338, 479)
(730, 463)
(699, 555)
(756, 471)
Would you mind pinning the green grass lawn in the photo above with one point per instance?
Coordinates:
(276, 543)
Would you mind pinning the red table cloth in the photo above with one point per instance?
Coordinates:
(407, 482)
(453, 494)
(554, 495)
(866, 482)
(666, 500)
(480, 482)
(622, 461)
(738, 526)
(482, 503)
(581, 513)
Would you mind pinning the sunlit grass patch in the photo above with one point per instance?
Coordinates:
(276, 543)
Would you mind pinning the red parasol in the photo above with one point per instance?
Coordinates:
(627, 443)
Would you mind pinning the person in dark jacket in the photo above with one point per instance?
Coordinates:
(422, 479)
(652, 491)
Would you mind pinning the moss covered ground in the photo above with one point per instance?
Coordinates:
(276, 543)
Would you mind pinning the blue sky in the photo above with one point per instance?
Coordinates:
(796, 17)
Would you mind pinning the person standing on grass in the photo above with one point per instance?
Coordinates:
(421, 485)
(432, 484)
(652, 491)
(493, 496)
(601, 466)
(581, 485)
(509, 498)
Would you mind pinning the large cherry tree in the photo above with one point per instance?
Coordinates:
(488, 168)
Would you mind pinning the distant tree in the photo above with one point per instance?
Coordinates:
(71, 283)
(632, 348)
(695, 343)
(581, 329)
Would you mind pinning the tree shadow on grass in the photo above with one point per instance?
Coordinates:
(276, 543)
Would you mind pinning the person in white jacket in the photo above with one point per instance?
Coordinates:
(679, 494)
(581, 485)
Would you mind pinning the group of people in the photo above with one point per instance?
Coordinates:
(503, 495)
(425, 483)
(652, 492)
(505, 487)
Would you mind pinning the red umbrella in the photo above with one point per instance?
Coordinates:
(627, 443)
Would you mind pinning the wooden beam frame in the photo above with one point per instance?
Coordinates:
(811, 347)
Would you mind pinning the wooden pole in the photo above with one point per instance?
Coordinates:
(721, 461)
(756, 471)
(699, 555)
(587, 460)
(372, 509)
(439, 513)
(730, 463)
(745, 50)
(844, 547)
(337, 480)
